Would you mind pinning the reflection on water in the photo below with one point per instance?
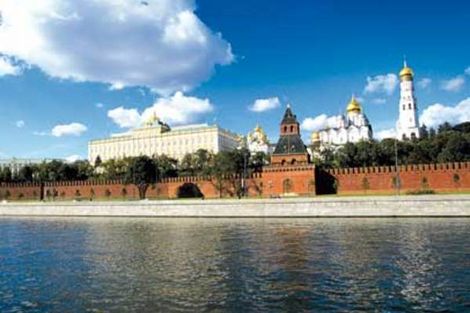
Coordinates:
(270, 265)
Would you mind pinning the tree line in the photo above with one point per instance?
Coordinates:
(143, 171)
(446, 144)
(199, 163)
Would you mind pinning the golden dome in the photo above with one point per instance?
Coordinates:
(258, 134)
(406, 71)
(315, 137)
(354, 106)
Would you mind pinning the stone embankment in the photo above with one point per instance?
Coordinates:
(383, 206)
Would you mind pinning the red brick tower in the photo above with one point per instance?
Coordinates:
(290, 149)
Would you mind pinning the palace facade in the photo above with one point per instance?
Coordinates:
(157, 138)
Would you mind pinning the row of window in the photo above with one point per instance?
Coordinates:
(410, 106)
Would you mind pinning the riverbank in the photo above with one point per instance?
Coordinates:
(371, 206)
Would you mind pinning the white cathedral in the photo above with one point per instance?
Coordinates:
(341, 129)
(257, 141)
(354, 125)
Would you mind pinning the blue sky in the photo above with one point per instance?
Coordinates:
(84, 76)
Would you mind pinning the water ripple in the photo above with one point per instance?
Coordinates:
(220, 265)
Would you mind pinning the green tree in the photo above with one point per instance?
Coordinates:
(444, 127)
(116, 169)
(222, 169)
(258, 161)
(6, 175)
(142, 172)
(25, 174)
(456, 149)
(98, 161)
(84, 170)
(166, 166)
(197, 163)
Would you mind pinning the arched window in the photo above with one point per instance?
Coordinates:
(287, 185)
(409, 106)
(292, 129)
(285, 129)
(404, 107)
(293, 161)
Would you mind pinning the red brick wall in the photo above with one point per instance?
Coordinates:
(210, 187)
(26, 191)
(274, 181)
(450, 177)
(302, 180)
(89, 190)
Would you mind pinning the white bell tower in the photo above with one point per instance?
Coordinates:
(407, 124)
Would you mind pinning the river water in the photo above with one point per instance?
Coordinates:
(234, 265)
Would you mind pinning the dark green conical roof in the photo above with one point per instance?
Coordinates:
(289, 117)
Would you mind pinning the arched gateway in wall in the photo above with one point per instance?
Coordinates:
(189, 190)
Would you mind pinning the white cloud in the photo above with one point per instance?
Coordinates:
(314, 123)
(160, 44)
(125, 118)
(99, 105)
(424, 83)
(436, 114)
(20, 124)
(319, 122)
(467, 70)
(178, 109)
(8, 66)
(385, 133)
(381, 84)
(72, 129)
(454, 84)
(175, 110)
(261, 105)
(42, 133)
(379, 101)
(72, 158)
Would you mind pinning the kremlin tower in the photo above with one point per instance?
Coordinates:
(407, 124)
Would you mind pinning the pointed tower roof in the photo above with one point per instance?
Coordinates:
(289, 117)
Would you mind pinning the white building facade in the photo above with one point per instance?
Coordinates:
(158, 138)
(408, 123)
(15, 165)
(351, 127)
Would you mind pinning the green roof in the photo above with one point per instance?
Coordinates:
(290, 144)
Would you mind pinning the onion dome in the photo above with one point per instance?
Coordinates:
(406, 72)
(258, 134)
(315, 137)
(354, 106)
